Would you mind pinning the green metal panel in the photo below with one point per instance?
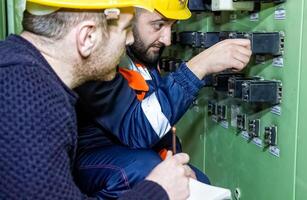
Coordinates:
(2, 20)
(301, 177)
(14, 15)
(10, 17)
(190, 130)
(232, 161)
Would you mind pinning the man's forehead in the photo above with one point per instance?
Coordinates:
(154, 16)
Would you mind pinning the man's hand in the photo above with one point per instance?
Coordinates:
(228, 54)
(173, 175)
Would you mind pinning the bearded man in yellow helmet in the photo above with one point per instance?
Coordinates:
(129, 133)
(64, 44)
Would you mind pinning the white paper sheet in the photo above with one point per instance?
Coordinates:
(201, 191)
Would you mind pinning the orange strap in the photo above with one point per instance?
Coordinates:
(136, 82)
(163, 153)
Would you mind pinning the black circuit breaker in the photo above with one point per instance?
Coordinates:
(270, 136)
(269, 43)
(220, 81)
(212, 108)
(254, 128)
(235, 85)
(221, 112)
(191, 38)
(241, 122)
(266, 43)
(198, 39)
(262, 91)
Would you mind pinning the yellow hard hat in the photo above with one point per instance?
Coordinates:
(173, 9)
(49, 6)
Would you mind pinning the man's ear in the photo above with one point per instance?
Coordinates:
(87, 37)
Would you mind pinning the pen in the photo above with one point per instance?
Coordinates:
(174, 140)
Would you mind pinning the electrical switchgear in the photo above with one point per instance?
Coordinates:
(244, 128)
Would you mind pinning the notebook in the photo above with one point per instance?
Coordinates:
(201, 191)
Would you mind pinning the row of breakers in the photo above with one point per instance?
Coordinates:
(262, 43)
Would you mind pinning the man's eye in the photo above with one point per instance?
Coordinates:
(157, 26)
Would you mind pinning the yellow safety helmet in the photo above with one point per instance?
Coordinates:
(173, 9)
(41, 7)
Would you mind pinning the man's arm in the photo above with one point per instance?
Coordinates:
(141, 124)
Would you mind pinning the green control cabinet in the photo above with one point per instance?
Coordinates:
(254, 143)
(10, 17)
(2, 20)
(255, 149)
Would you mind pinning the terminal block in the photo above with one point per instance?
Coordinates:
(212, 110)
(267, 43)
(235, 85)
(254, 128)
(241, 122)
(262, 91)
(238, 35)
(221, 112)
(270, 135)
(270, 43)
(198, 39)
(191, 38)
(220, 81)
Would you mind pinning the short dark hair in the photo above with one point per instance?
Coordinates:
(57, 24)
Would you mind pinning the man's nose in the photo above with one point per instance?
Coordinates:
(165, 37)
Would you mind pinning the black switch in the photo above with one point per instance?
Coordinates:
(254, 128)
(241, 122)
(190, 38)
(221, 112)
(220, 81)
(212, 108)
(235, 85)
(270, 135)
(261, 91)
(267, 43)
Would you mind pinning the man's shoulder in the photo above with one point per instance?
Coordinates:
(28, 79)
(16, 51)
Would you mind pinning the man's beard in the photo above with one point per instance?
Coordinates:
(142, 52)
(101, 65)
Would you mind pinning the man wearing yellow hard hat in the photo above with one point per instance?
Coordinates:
(64, 44)
(145, 105)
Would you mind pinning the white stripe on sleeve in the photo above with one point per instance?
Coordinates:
(152, 109)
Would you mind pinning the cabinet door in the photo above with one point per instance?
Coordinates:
(2, 19)
(14, 10)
